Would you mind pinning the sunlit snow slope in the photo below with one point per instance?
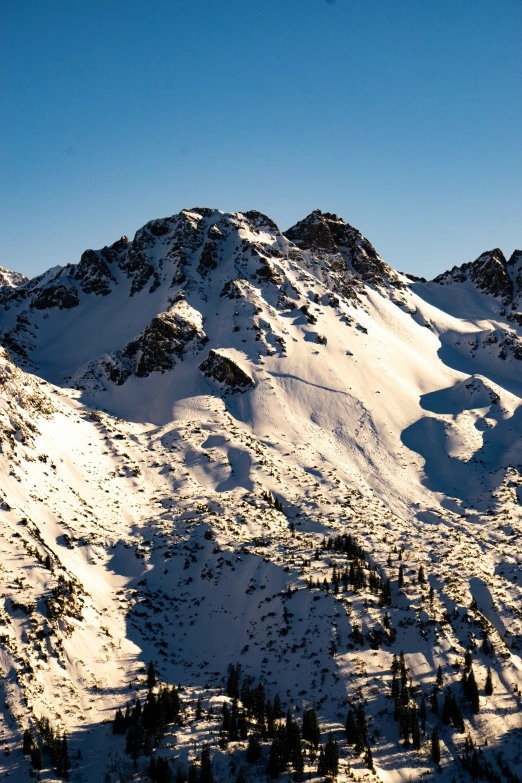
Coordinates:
(159, 396)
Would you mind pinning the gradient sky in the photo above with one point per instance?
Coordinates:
(403, 117)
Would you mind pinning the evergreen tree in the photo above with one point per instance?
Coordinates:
(297, 763)
(434, 703)
(193, 773)
(311, 730)
(439, 681)
(368, 757)
(386, 594)
(119, 725)
(65, 762)
(476, 770)
(270, 723)
(28, 741)
(432, 596)
(447, 707)
(180, 776)
(254, 748)
(435, 746)
(331, 756)
(356, 634)
(403, 670)
(451, 711)
(421, 576)
(159, 770)
(321, 764)
(199, 710)
(472, 692)
(362, 730)
(415, 730)
(36, 758)
(423, 713)
(205, 772)
(243, 726)
(233, 681)
(241, 776)
(488, 687)
(351, 730)
(457, 719)
(274, 761)
(151, 676)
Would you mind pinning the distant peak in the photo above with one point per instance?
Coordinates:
(489, 272)
(11, 279)
(328, 233)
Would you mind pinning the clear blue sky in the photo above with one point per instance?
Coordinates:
(403, 116)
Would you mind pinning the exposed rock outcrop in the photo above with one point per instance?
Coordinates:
(168, 336)
(94, 274)
(11, 279)
(225, 370)
(326, 232)
(491, 273)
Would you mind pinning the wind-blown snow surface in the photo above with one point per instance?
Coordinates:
(188, 373)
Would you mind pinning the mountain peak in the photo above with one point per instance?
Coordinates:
(491, 273)
(11, 279)
(327, 232)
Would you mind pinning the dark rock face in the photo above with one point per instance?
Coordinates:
(492, 274)
(168, 336)
(260, 221)
(61, 296)
(515, 267)
(94, 274)
(138, 266)
(324, 231)
(225, 371)
(489, 273)
(231, 290)
(209, 258)
(313, 232)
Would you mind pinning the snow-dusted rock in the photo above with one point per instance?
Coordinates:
(226, 371)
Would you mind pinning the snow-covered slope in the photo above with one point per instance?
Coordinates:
(11, 279)
(164, 392)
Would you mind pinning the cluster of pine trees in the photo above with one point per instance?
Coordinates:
(469, 683)
(253, 716)
(145, 725)
(405, 711)
(52, 743)
(354, 575)
(451, 714)
(356, 729)
(479, 768)
(199, 771)
(329, 758)
(344, 545)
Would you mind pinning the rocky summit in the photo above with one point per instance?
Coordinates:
(260, 510)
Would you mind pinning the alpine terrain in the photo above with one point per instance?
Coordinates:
(260, 511)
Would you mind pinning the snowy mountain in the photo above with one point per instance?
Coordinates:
(11, 279)
(224, 444)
